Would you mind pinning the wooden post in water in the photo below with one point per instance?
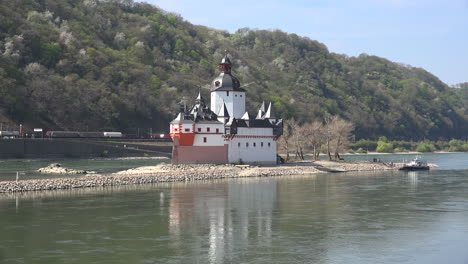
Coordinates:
(17, 176)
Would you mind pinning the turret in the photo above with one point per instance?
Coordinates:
(225, 90)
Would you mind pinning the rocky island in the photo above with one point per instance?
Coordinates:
(189, 172)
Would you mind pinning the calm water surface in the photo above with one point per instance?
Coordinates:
(28, 168)
(385, 217)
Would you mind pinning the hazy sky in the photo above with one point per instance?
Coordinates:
(432, 34)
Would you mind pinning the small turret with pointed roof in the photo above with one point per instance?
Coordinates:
(261, 111)
(200, 99)
(223, 112)
(270, 114)
(225, 65)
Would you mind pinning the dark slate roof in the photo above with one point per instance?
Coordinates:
(197, 113)
(226, 82)
(226, 60)
(253, 123)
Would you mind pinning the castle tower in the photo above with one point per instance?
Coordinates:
(226, 90)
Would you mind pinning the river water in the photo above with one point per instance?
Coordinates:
(365, 217)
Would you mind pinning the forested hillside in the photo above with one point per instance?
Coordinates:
(101, 65)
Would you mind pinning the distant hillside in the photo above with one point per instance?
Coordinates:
(94, 65)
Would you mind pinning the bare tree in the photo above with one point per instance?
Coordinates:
(285, 139)
(341, 131)
(297, 138)
(328, 135)
(314, 134)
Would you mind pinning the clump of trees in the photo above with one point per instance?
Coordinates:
(331, 137)
(384, 145)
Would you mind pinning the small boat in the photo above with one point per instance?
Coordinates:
(415, 164)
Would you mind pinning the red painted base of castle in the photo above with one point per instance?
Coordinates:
(200, 154)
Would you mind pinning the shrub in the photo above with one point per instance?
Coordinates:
(400, 150)
(361, 150)
(384, 147)
(425, 147)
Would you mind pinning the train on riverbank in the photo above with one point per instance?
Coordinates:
(82, 134)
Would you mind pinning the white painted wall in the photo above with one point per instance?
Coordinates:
(252, 154)
(212, 126)
(235, 102)
(254, 131)
(211, 140)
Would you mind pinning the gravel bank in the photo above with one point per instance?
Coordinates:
(187, 172)
(155, 174)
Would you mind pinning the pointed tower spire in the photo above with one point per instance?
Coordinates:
(270, 113)
(200, 99)
(261, 111)
(246, 116)
(223, 112)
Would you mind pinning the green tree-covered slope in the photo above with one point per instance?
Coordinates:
(94, 65)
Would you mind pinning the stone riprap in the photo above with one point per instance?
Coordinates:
(187, 172)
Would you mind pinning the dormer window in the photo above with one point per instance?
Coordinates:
(227, 93)
(217, 83)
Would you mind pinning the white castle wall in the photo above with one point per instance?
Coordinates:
(253, 145)
(235, 102)
(213, 137)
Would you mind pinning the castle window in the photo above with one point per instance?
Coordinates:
(240, 95)
(247, 144)
(269, 144)
(199, 129)
(236, 95)
(261, 144)
(227, 93)
(217, 130)
(204, 140)
(255, 144)
(217, 83)
(208, 129)
(187, 130)
(238, 144)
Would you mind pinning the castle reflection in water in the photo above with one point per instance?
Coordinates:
(224, 216)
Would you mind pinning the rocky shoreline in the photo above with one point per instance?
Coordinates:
(187, 172)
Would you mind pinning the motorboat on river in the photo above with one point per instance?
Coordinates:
(415, 164)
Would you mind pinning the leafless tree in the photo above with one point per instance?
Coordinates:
(314, 134)
(286, 139)
(341, 131)
(297, 138)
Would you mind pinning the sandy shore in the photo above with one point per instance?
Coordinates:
(188, 172)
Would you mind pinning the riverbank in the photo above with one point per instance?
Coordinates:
(187, 172)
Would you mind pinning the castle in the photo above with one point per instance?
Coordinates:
(224, 132)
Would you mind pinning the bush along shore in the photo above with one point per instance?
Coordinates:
(187, 172)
